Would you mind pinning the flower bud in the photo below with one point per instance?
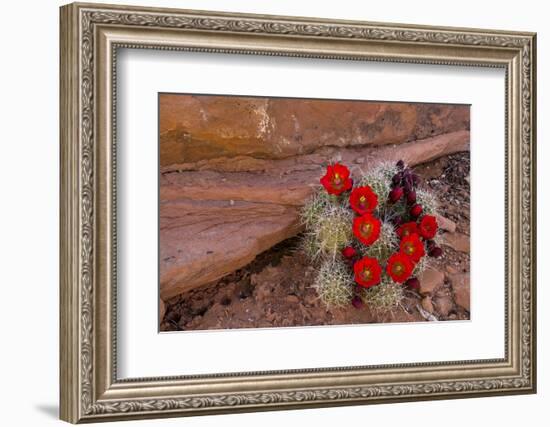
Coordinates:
(415, 179)
(413, 283)
(400, 164)
(396, 180)
(349, 252)
(436, 252)
(416, 211)
(411, 197)
(398, 220)
(396, 194)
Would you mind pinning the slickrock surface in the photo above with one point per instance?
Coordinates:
(195, 128)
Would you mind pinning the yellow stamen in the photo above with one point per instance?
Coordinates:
(366, 228)
(362, 199)
(367, 274)
(398, 268)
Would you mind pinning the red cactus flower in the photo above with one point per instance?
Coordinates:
(366, 228)
(407, 229)
(416, 211)
(363, 200)
(428, 227)
(413, 247)
(349, 252)
(337, 179)
(367, 272)
(396, 194)
(399, 267)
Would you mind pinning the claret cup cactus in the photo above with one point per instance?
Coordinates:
(371, 237)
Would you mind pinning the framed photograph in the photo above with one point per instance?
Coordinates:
(266, 212)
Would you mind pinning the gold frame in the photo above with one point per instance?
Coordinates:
(90, 36)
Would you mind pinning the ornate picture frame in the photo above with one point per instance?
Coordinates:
(90, 37)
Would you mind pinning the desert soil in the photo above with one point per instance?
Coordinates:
(275, 290)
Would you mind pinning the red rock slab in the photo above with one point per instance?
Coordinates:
(202, 241)
(461, 289)
(198, 127)
(430, 280)
(413, 153)
(457, 241)
(445, 223)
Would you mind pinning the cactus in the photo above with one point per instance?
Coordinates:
(385, 296)
(379, 179)
(328, 224)
(428, 201)
(387, 243)
(334, 283)
(328, 220)
(334, 230)
(420, 266)
(314, 208)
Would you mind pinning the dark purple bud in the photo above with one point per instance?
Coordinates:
(416, 179)
(357, 302)
(398, 220)
(349, 262)
(436, 252)
(407, 187)
(396, 194)
(430, 244)
(396, 180)
(411, 197)
(416, 211)
(400, 164)
(413, 283)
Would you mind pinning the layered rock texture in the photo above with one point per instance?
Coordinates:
(235, 171)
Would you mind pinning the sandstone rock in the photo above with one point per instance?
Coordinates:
(443, 305)
(194, 128)
(451, 270)
(262, 292)
(457, 241)
(430, 280)
(461, 289)
(427, 304)
(292, 299)
(445, 223)
(413, 153)
(204, 241)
